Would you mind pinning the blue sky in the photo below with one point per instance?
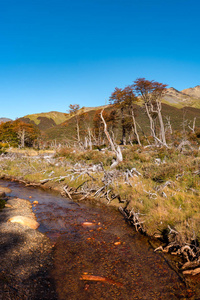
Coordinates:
(59, 52)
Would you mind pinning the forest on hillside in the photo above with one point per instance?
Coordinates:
(135, 115)
(136, 154)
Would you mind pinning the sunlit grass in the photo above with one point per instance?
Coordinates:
(177, 204)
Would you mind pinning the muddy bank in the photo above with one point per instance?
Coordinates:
(25, 256)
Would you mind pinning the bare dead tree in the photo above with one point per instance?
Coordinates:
(168, 125)
(115, 148)
(135, 127)
(21, 135)
(193, 126)
(151, 92)
(73, 110)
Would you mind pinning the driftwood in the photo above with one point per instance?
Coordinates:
(67, 192)
(190, 253)
(192, 272)
(59, 178)
(133, 218)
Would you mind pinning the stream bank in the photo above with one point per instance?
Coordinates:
(88, 241)
(25, 257)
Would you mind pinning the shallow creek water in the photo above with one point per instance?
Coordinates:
(97, 255)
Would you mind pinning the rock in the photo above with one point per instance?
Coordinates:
(87, 224)
(26, 221)
(5, 189)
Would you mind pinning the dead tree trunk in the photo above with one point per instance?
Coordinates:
(162, 127)
(135, 128)
(151, 121)
(193, 126)
(115, 148)
(21, 135)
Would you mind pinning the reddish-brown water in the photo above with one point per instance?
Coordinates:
(97, 255)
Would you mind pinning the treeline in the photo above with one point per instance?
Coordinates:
(134, 116)
(18, 134)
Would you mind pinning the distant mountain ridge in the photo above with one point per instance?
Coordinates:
(3, 120)
(192, 92)
(188, 97)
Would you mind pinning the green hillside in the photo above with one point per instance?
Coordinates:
(67, 130)
(57, 117)
(62, 126)
(45, 121)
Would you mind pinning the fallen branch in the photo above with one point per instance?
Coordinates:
(133, 218)
(190, 253)
(67, 192)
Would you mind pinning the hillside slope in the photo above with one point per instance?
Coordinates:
(2, 120)
(67, 130)
(177, 105)
(45, 120)
(192, 92)
(188, 97)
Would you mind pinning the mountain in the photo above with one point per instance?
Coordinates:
(2, 120)
(187, 97)
(176, 106)
(192, 92)
(52, 119)
(45, 120)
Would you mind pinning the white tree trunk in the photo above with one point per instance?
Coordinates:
(114, 147)
(135, 128)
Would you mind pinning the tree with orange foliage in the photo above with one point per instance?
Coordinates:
(124, 99)
(26, 133)
(151, 92)
(18, 133)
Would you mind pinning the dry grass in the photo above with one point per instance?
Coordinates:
(177, 204)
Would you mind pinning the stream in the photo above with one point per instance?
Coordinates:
(97, 255)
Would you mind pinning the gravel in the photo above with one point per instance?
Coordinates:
(25, 257)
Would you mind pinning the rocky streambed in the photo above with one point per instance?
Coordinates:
(78, 252)
(25, 256)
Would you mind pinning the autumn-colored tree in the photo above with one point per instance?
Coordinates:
(26, 133)
(18, 133)
(8, 134)
(151, 92)
(124, 99)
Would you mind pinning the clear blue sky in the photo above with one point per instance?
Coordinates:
(59, 52)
